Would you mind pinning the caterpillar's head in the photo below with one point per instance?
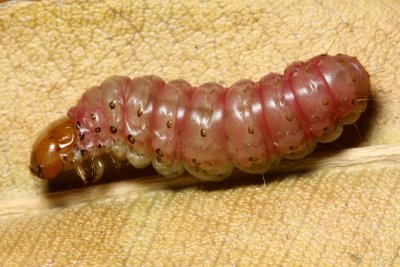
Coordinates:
(53, 148)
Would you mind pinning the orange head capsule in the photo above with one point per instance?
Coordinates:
(54, 150)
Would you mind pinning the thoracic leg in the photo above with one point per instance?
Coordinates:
(98, 169)
(81, 173)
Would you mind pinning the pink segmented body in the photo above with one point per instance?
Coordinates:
(208, 130)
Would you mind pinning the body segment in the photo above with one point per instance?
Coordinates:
(209, 130)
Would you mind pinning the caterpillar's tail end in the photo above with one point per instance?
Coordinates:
(53, 148)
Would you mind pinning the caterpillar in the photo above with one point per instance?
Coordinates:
(206, 130)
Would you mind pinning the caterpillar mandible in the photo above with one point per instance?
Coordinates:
(207, 130)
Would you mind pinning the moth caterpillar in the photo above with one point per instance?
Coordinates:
(207, 130)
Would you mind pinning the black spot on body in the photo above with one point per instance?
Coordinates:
(113, 129)
(97, 129)
(253, 159)
(250, 129)
(131, 139)
(112, 104)
(159, 152)
(195, 161)
(169, 124)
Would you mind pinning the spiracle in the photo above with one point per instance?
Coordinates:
(206, 130)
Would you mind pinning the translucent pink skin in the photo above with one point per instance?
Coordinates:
(209, 130)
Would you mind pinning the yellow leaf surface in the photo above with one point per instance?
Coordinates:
(342, 209)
